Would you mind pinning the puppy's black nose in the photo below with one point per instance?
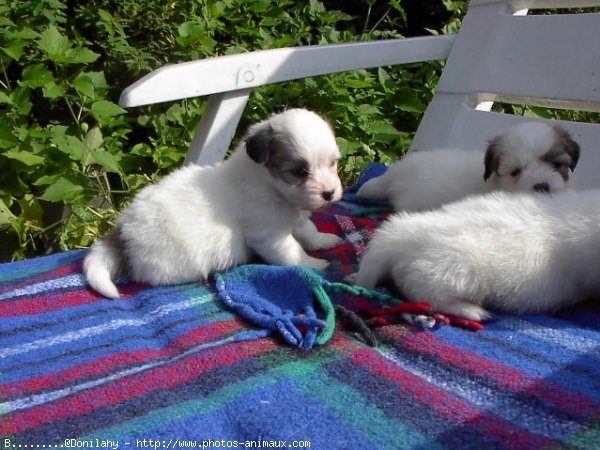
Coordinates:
(328, 195)
(541, 187)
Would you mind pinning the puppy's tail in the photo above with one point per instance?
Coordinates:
(374, 189)
(101, 264)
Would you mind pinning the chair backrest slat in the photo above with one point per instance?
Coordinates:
(548, 60)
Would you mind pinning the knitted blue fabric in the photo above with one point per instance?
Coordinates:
(279, 299)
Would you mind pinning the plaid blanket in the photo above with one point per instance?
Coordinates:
(166, 368)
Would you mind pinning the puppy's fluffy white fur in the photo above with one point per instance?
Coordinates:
(514, 253)
(531, 156)
(199, 220)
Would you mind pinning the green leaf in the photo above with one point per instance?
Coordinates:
(368, 110)
(384, 78)
(36, 76)
(15, 49)
(190, 32)
(27, 158)
(381, 127)
(104, 109)
(142, 149)
(136, 181)
(407, 100)
(94, 141)
(31, 209)
(6, 215)
(348, 147)
(93, 138)
(54, 44)
(168, 155)
(7, 138)
(107, 160)
(382, 131)
(59, 49)
(45, 180)
(5, 98)
(80, 55)
(53, 90)
(83, 213)
(25, 33)
(70, 145)
(84, 85)
(534, 111)
(217, 8)
(89, 84)
(63, 190)
(21, 100)
(316, 8)
(357, 83)
(98, 79)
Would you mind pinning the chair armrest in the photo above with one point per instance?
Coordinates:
(248, 70)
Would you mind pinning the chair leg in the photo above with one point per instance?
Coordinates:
(217, 127)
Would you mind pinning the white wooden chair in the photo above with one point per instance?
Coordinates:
(501, 53)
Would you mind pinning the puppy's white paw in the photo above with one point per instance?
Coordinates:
(461, 308)
(475, 312)
(324, 241)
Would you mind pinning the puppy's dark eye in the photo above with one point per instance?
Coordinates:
(515, 172)
(300, 172)
(334, 162)
(557, 166)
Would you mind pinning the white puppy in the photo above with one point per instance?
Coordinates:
(531, 156)
(199, 220)
(514, 253)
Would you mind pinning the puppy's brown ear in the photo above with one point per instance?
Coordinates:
(492, 158)
(571, 147)
(258, 144)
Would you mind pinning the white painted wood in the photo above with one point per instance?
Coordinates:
(546, 57)
(248, 70)
(217, 127)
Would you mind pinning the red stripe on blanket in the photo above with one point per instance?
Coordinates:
(41, 303)
(448, 406)
(328, 226)
(571, 402)
(178, 373)
(107, 364)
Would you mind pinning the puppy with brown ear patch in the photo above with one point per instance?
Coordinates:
(529, 157)
(201, 220)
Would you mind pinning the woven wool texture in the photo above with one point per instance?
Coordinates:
(173, 362)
